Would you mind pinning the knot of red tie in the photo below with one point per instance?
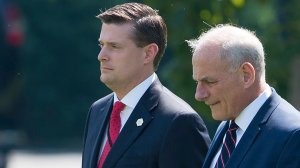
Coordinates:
(115, 121)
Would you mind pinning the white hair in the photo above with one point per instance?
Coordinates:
(237, 45)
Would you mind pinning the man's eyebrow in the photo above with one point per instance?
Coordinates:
(108, 42)
(201, 79)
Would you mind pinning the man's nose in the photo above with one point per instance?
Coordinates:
(201, 92)
(102, 54)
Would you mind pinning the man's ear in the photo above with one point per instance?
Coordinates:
(248, 74)
(151, 51)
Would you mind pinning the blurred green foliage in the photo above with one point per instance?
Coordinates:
(60, 71)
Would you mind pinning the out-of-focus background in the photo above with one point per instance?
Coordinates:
(49, 73)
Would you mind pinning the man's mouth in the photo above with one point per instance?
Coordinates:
(212, 104)
(105, 68)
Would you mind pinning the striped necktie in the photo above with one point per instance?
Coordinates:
(228, 145)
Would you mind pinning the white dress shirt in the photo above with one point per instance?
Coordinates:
(244, 119)
(130, 100)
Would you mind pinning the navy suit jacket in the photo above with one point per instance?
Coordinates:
(172, 134)
(271, 140)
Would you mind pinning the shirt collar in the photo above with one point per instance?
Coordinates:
(131, 98)
(246, 116)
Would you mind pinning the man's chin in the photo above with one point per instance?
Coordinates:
(217, 116)
(103, 79)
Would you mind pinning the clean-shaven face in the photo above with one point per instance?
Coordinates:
(216, 86)
(120, 58)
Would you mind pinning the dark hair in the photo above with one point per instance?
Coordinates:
(148, 26)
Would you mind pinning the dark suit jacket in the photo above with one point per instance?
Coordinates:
(172, 134)
(271, 140)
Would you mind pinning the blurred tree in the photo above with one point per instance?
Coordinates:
(11, 38)
(60, 69)
(287, 76)
(10, 84)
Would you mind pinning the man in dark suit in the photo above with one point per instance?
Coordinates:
(229, 67)
(155, 127)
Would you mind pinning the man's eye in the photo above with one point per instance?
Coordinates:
(115, 46)
(210, 82)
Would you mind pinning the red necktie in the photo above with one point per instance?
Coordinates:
(114, 129)
(228, 145)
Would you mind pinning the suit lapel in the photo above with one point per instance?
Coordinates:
(215, 144)
(101, 123)
(131, 131)
(253, 130)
